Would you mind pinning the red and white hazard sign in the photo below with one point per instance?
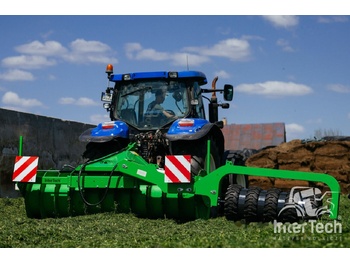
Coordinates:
(25, 169)
(178, 169)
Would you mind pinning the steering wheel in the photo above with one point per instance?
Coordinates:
(171, 112)
(166, 118)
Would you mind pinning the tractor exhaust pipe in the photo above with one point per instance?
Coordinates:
(213, 105)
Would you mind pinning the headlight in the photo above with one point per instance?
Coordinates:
(173, 74)
(126, 77)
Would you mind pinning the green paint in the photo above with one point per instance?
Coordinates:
(20, 147)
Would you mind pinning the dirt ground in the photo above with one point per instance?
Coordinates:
(329, 155)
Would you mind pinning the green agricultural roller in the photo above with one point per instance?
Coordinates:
(158, 157)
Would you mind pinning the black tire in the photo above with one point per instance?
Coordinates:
(270, 211)
(237, 158)
(197, 149)
(251, 204)
(231, 211)
(232, 179)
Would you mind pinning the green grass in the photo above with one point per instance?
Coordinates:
(110, 230)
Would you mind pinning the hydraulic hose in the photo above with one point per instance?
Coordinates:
(108, 184)
(105, 193)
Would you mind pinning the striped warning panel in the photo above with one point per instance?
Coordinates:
(25, 169)
(178, 169)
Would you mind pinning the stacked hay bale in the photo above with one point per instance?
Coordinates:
(326, 156)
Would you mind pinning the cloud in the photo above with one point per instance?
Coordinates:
(36, 55)
(27, 62)
(222, 74)
(232, 48)
(184, 59)
(17, 75)
(83, 46)
(275, 89)
(339, 88)
(284, 21)
(293, 127)
(83, 52)
(66, 100)
(51, 77)
(294, 131)
(332, 19)
(47, 34)
(82, 101)
(315, 121)
(152, 54)
(131, 48)
(49, 48)
(96, 118)
(135, 51)
(285, 45)
(11, 98)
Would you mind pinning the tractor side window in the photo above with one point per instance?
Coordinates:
(197, 101)
(127, 104)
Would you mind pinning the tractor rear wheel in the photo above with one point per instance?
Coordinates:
(198, 151)
(235, 156)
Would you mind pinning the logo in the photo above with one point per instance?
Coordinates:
(308, 202)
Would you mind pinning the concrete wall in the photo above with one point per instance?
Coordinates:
(55, 141)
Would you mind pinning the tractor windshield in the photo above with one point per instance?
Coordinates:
(151, 104)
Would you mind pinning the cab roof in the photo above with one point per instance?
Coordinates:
(166, 75)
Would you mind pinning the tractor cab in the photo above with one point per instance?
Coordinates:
(154, 100)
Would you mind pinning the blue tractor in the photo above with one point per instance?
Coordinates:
(164, 114)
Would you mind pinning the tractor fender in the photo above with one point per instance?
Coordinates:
(193, 129)
(105, 132)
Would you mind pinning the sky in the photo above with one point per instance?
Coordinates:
(290, 68)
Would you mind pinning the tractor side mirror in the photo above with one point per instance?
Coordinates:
(177, 96)
(228, 92)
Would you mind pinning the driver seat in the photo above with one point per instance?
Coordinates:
(129, 116)
(152, 119)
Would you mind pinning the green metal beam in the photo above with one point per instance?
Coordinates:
(209, 185)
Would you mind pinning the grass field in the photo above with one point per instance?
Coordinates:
(110, 230)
